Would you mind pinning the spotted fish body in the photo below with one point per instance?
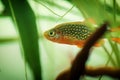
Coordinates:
(72, 33)
(75, 31)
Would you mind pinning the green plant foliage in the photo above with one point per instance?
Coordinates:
(24, 20)
(98, 10)
(46, 13)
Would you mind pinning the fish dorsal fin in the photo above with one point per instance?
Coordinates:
(77, 22)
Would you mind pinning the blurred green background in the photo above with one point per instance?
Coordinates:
(25, 54)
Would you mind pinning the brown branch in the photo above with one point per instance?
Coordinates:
(108, 71)
(64, 75)
(78, 66)
(90, 71)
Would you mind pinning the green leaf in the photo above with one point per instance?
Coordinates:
(24, 19)
(5, 40)
(98, 10)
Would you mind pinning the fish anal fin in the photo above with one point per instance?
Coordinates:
(80, 46)
(99, 43)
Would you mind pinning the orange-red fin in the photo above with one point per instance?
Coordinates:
(80, 44)
(117, 40)
(97, 44)
(115, 29)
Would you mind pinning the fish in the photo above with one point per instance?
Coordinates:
(71, 33)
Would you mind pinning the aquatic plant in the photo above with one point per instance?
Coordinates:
(32, 17)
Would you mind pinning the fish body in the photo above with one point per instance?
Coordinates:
(72, 33)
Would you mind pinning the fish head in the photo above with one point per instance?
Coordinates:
(52, 35)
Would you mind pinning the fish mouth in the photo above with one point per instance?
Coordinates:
(48, 37)
(45, 34)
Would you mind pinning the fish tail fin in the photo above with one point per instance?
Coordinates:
(114, 29)
(117, 40)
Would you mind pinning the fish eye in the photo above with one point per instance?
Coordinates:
(52, 33)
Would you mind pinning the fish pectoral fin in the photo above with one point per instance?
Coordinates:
(117, 40)
(97, 44)
(80, 44)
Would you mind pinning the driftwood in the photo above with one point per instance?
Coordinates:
(78, 67)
